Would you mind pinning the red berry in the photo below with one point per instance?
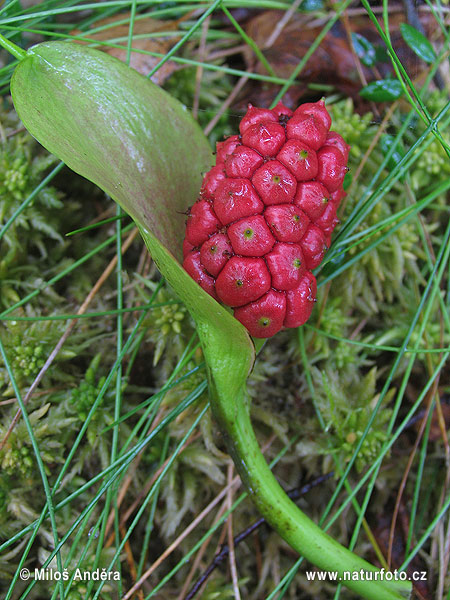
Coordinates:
(274, 183)
(314, 246)
(331, 167)
(280, 110)
(215, 252)
(264, 317)
(224, 149)
(266, 214)
(287, 222)
(300, 301)
(328, 221)
(308, 129)
(196, 270)
(235, 199)
(266, 138)
(242, 280)
(187, 247)
(334, 139)
(300, 159)
(316, 109)
(243, 162)
(312, 197)
(256, 115)
(286, 265)
(201, 223)
(337, 196)
(211, 181)
(251, 236)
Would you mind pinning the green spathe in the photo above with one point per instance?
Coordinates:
(116, 128)
(142, 147)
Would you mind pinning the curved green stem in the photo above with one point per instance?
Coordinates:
(12, 48)
(307, 538)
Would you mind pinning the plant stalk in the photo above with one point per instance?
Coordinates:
(307, 538)
(12, 48)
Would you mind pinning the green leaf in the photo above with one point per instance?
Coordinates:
(418, 43)
(381, 54)
(383, 90)
(364, 49)
(142, 147)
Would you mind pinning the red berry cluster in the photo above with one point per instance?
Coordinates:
(265, 215)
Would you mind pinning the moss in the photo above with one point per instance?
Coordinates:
(26, 241)
(27, 346)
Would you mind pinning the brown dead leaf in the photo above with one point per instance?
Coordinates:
(333, 58)
(334, 62)
(143, 63)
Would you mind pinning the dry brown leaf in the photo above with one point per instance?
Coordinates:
(333, 62)
(143, 63)
(332, 59)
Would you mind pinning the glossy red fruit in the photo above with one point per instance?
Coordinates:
(235, 199)
(201, 223)
(265, 317)
(282, 112)
(266, 214)
(314, 246)
(287, 222)
(265, 138)
(243, 162)
(192, 264)
(332, 167)
(300, 159)
(242, 280)
(286, 265)
(328, 220)
(215, 252)
(224, 149)
(308, 129)
(312, 197)
(316, 109)
(336, 140)
(211, 181)
(337, 196)
(300, 301)
(256, 115)
(274, 183)
(251, 236)
(187, 247)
